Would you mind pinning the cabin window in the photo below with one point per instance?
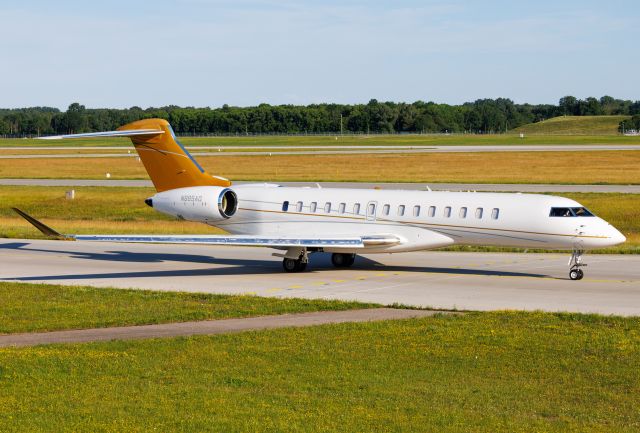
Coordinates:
(416, 211)
(495, 213)
(386, 209)
(285, 206)
(463, 212)
(570, 212)
(432, 211)
(356, 209)
(371, 211)
(447, 212)
(313, 206)
(342, 208)
(299, 206)
(479, 213)
(401, 210)
(327, 207)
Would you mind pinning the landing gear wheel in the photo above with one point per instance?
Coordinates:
(293, 265)
(342, 260)
(576, 274)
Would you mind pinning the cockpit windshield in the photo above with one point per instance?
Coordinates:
(570, 212)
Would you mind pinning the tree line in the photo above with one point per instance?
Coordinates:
(479, 117)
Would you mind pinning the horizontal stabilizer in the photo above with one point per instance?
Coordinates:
(126, 133)
(45, 229)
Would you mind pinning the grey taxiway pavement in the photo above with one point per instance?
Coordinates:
(334, 150)
(445, 280)
(628, 189)
(210, 327)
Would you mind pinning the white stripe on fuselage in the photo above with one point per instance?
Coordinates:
(523, 219)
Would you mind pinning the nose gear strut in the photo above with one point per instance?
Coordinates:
(575, 263)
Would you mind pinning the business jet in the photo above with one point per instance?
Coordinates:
(299, 221)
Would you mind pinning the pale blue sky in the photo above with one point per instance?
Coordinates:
(211, 52)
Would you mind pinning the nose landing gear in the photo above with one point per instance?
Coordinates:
(575, 263)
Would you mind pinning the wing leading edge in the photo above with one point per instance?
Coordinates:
(249, 240)
(258, 241)
(242, 240)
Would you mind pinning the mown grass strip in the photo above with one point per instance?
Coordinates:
(45, 307)
(575, 125)
(482, 372)
(594, 167)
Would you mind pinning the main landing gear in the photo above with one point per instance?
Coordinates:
(342, 260)
(299, 264)
(296, 265)
(575, 263)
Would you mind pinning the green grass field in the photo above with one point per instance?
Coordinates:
(480, 372)
(575, 126)
(596, 167)
(110, 210)
(44, 307)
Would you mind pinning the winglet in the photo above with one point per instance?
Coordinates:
(45, 229)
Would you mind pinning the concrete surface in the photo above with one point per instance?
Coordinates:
(627, 189)
(355, 150)
(209, 327)
(443, 280)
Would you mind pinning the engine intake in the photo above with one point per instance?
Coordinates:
(208, 204)
(227, 203)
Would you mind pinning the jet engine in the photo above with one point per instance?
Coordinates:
(198, 203)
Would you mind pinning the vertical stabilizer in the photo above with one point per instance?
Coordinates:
(168, 163)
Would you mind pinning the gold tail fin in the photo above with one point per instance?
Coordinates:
(168, 163)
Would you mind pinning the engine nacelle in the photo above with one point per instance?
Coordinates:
(197, 203)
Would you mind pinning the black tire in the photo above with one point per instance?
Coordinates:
(580, 274)
(574, 274)
(293, 265)
(290, 265)
(342, 260)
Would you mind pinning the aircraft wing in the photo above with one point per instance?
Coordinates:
(249, 240)
(242, 240)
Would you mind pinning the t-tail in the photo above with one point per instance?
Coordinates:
(167, 162)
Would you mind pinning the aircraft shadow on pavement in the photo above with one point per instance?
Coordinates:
(230, 266)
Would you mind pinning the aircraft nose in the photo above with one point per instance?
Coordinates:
(617, 237)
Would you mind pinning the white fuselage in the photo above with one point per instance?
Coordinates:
(419, 219)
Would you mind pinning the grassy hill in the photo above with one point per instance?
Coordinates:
(574, 125)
